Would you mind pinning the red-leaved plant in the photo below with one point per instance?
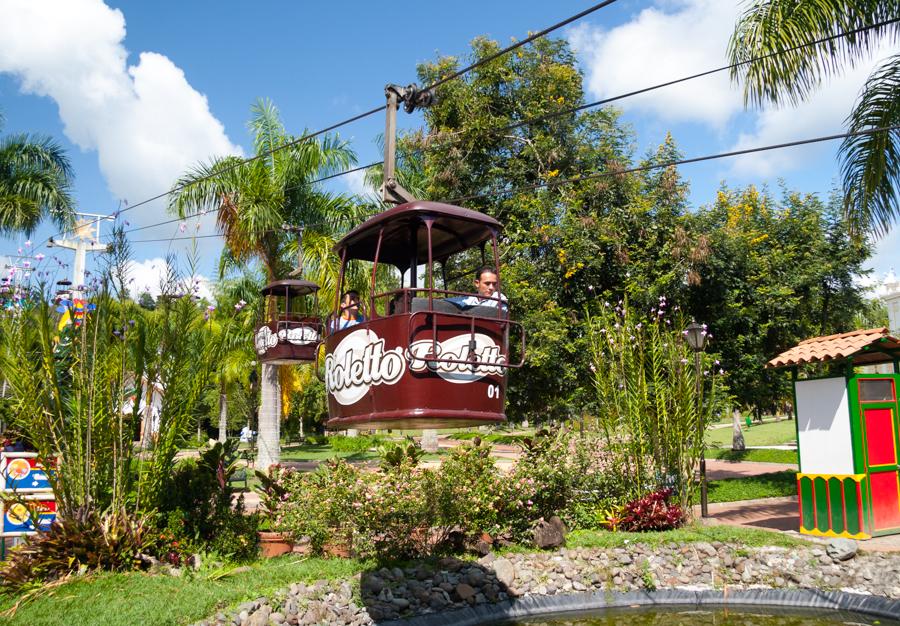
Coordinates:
(652, 512)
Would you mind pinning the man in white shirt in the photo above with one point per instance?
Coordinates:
(486, 286)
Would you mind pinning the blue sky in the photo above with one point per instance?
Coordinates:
(137, 91)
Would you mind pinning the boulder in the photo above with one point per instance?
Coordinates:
(505, 571)
(841, 549)
(550, 533)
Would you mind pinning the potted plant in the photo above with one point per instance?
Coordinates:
(272, 541)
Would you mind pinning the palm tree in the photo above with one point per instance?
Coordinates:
(35, 180)
(252, 200)
(769, 31)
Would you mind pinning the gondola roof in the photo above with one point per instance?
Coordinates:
(454, 229)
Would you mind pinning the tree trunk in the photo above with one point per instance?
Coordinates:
(269, 436)
(223, 415)
(737, 440)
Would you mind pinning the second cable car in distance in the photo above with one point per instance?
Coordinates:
(291, 331)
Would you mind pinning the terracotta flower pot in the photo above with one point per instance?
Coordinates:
(273, 544)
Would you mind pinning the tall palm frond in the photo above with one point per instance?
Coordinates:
(870, 164)
(35, 180)
(772, 27)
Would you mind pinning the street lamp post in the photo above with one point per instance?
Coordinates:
(696, 338)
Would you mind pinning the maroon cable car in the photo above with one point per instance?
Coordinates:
(419, 359)
(292, 330)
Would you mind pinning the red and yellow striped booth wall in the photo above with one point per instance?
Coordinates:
(834, 505)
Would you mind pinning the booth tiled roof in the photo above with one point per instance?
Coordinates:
(875, 345)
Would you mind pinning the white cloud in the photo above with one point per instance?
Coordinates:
(145, 121)
(356, 183)
(822, 114)
(150, 275)
(660, 44)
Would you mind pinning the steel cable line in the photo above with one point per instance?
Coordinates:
(630, 170)
(637, 92)
(560, 113)
(365, 114)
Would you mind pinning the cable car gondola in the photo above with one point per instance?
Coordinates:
(421, 357)
(292, 330)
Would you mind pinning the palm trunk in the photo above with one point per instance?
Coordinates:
(223, 414)
(269, 437)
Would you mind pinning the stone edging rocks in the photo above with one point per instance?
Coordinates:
(561, 605)
(487, 589)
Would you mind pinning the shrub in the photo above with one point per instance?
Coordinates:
(399, 516)
(470, 492)
(652, 512)
(361, 443)
(321, 506)
(395, 454)
(197, 513)
(83, 541)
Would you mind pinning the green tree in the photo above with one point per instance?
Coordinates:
(252, 201)
(564, 245)
(770, 31)
(776, 272)
(35, 182)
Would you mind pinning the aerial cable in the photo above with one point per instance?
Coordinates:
(630, 170)
(637, 92)
(365, 114)
(673, 163)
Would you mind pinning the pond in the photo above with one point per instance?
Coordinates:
(710, 617)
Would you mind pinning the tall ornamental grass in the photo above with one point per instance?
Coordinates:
(651, 410)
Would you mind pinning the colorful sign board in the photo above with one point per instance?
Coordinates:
(19, 516)
(23, 472)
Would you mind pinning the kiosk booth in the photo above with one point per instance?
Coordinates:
(847, 435)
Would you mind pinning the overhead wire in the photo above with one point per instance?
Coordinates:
(363, 115)
(630, 170)
(569, 110)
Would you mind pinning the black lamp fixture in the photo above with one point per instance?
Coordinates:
(697, 337)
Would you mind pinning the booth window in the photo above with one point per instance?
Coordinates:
(876, 390)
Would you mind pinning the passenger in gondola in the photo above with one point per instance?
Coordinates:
(350, 315)
(486, 286)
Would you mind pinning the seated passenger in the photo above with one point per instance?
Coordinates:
(486, 286)
(350, 315)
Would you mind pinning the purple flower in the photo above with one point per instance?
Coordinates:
(28, 243)
(39, 256)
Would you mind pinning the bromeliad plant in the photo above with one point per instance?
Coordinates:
(651, 410)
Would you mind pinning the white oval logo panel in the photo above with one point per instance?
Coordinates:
(480, 348)
(360, 362)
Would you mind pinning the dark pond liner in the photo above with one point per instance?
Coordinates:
(563, 604)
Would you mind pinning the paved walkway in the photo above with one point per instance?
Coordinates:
(717, 469)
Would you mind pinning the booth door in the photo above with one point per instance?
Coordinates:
(878, 414)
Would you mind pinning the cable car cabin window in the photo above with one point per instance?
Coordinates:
(876, 390)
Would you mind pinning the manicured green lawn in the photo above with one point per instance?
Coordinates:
(752, 537)
(757, 455)
(767, 434)
(309, 452)
(126, 599)
(772, 485)
(120, 599)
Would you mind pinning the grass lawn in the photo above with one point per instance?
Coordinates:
(114, 599)
(125, 599)
(757, 456)
(772, 485)
(752, 537)
(767, 434)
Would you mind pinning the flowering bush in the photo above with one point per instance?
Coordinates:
(398, 516)
(322, 506)
(471, 492)
(651, 512)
